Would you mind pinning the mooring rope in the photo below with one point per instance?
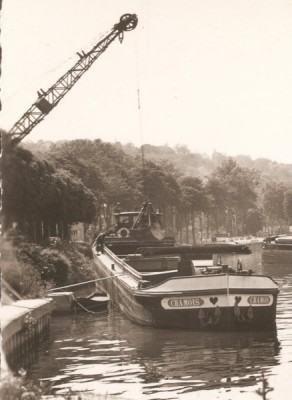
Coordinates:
(64, 287)
(83, 283)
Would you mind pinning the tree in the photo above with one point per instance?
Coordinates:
(76, 203)
(288, 206)
(273, 204)
(193, 201)
(157, 185)
(233, 191)
(253, 221)
(103, 168)
(37, 197)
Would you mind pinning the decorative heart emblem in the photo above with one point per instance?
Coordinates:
(237, 299)
(213, 300)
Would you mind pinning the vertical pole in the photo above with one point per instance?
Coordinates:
(142, 145)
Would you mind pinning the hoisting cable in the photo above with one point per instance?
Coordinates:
(142, 145)
(140, 120)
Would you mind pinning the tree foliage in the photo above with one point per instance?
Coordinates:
(273, 203)
(38, 196)
(233, 190)
(83, 180)
(253, 221)
(288, 205)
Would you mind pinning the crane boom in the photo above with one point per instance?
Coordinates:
(48, 99)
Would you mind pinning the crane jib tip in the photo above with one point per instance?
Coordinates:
(127, 22)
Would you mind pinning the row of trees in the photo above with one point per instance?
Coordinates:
(41, 199)
(83, 180)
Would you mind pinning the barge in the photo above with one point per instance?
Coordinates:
(277, 250)
(185, 287)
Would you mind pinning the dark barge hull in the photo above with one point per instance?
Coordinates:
(130, 245)
(212, 319)
(151, 309)
(277, 249)
(277, 254)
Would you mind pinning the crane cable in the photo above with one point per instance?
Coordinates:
(140, 120)
(141, 131)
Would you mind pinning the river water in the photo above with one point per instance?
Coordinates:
(108, 354)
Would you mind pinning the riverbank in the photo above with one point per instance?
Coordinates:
(32, 270)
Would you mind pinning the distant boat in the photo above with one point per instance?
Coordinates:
(277, 249)
(226, 238)
(182, 287)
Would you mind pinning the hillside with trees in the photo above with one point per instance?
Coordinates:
(199, 195)
(189, 163)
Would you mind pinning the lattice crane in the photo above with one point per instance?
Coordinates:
(48, 99)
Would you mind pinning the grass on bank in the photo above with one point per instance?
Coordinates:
(14, 388)
(33, 269)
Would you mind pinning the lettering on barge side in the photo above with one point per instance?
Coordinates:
(181, 302)
(260, 300)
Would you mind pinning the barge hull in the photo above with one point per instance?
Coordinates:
(147, 310)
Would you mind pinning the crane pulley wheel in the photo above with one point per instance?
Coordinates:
(128, 22)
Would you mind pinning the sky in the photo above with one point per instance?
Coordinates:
(214, 75)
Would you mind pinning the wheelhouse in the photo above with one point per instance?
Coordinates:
(126, 219)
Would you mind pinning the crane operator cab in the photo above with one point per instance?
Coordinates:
(146, 223)
(124, 222)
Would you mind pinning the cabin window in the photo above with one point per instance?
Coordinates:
(125, 221)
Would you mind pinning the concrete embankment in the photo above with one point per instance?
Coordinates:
(23, 324)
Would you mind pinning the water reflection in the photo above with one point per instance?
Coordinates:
(108, 354)
(193, 360)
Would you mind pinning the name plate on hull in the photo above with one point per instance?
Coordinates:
(258, 300)
(221, 300)
(181, 302)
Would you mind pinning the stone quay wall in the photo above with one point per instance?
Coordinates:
(23, 324)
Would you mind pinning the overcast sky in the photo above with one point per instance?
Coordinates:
(213, 75)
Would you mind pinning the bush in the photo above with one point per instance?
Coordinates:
(51, 264)
(25, 279)
(12, 388)
(22, 276)
(32, 269)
